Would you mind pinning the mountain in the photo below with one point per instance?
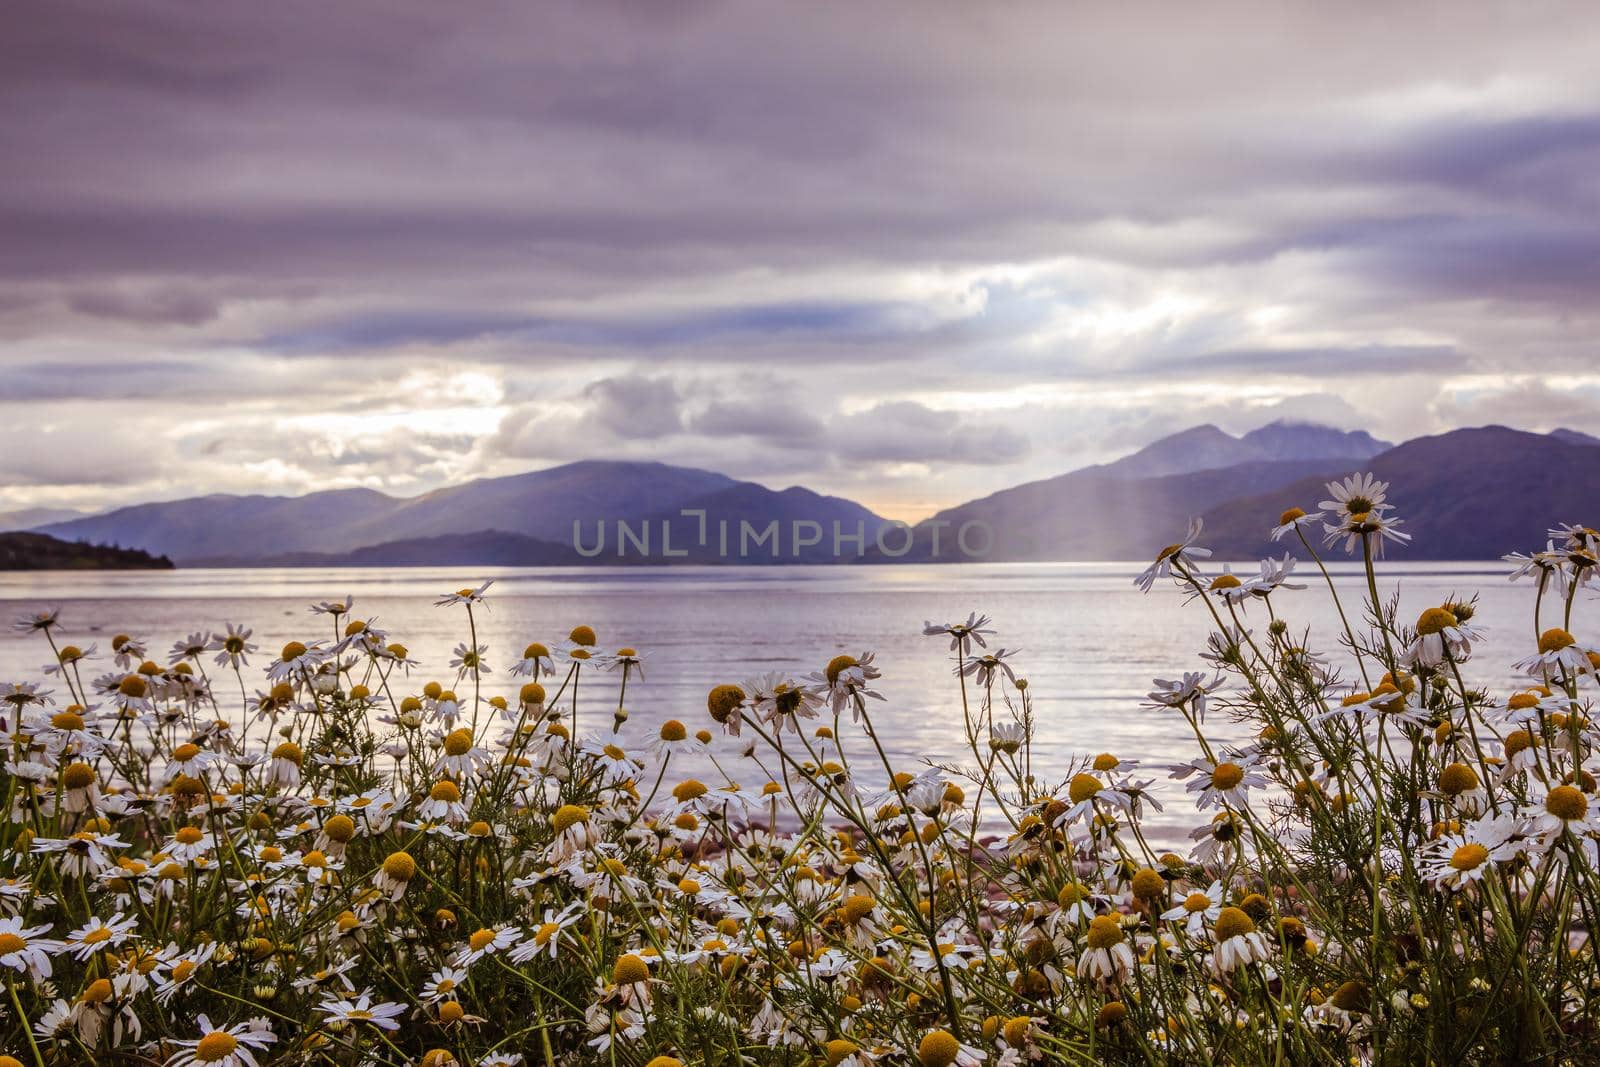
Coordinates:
(529, 518)
(21, 551)
(1467, 494)
(1209, 448)
(1574, 437)
(1129, 508)
(28, 518)
(748, 523)
(223, 525)
(1089, 515)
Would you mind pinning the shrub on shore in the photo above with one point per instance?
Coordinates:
(357, 866)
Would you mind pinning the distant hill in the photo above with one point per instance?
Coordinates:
(28, 518)
(1209, 448)
(525, 518)
(541, 505)
(40, 552)
(1575, 437)
(1089, 515)
(483, 548)
(1467, 494)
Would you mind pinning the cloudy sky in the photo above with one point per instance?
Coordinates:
(907, 252)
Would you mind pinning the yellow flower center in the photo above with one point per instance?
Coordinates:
(837, 666)
(215, 1046)
(583, 635)
(1291, 515)
(1082, 787)
(458, 743)
(1233, 922)
(614, 752)
(938, 1049)
(630, 970)
(689, 790)
(480, 939)
(1469, 857)
(1555, 639)
(186, 752)
(1566, 803)
(188, 835)
(10, 943)
(567, 816)
(1456, 779)
(400, 866)
(1435, 619)
(1104, 932)
(445, 791)
(1227, 775)
(1196, 902)
(673, 730)
(1225, 581)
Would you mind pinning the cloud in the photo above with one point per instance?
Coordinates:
(907, 432)
(891, 250)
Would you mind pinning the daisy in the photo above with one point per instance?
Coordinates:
(1370, 527)
(1237, 942)
(127, 652)
(395, 874)
(1457, 859)
(1221, 783)
(296, 661)
(536, 661)
(1274, 576)
(1192, 690)
(987, 667)
(464, 596)
(1563, 807)
(486, 942)
(233, 648)
(334, 607)
(617, 765)
(443, 984)
(70, 656)
(232, 1046)
(85, 852)
(1182, 555)
(188, 844)
(778, 700)
(674, 739)
(181, 969)
(42, 620)
(545, 939)
(630, 661)
(1559, 656)
(363, 1010)
(573, 833)
(1198, 909)
(1007, 737)
(97, 934)
(23, 949)
(962, 634)
(469, 660)
(443, 804)
(1107, 956)
(843, 682)
(1440, 636)
(461, 757)
(1293, 520)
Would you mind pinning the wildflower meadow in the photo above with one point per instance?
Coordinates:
(329, 853)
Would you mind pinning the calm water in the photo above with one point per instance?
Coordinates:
(1089, 642)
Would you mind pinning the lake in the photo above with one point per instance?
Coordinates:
(1089, 641)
